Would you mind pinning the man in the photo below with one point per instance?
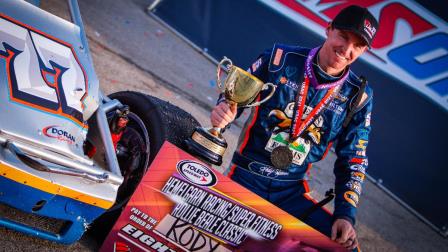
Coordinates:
(318, 101)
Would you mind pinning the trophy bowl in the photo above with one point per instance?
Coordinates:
(241, 88)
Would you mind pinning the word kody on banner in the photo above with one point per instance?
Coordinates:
(183, 205)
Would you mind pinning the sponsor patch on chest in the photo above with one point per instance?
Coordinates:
(336, 108)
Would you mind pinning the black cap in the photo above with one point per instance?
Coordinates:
(358, 20)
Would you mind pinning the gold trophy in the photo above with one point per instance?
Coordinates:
(241, 88)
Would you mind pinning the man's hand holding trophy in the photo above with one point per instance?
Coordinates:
(240, 90)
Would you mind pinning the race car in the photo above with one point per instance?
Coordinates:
(68, 153)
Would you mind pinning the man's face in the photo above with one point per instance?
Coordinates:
(341, 49)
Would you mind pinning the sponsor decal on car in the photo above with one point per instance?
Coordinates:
(58, 133)
(196, 173)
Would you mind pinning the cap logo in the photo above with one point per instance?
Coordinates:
(369, 29)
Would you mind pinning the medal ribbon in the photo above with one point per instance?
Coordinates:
(299, 125)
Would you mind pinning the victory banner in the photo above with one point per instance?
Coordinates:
(182, 204)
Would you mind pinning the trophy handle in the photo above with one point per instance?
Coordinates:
(218, 71)
(266, 85)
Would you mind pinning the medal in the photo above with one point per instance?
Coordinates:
(281, 157)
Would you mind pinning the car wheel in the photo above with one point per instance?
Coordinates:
(151, 122)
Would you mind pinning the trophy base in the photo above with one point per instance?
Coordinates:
(207, 146)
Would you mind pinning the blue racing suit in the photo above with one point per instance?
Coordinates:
(269, 125)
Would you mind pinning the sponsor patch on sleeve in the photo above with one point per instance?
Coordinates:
(355, 186)
(367, 122)
(357, 176)
(358, 168)
(362, 144)
(352, 198)
(356, 160)
(361, 153)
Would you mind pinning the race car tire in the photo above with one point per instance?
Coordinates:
(163, 121)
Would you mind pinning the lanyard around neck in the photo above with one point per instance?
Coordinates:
(299, 124)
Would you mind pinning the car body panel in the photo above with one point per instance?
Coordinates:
(48, 91)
